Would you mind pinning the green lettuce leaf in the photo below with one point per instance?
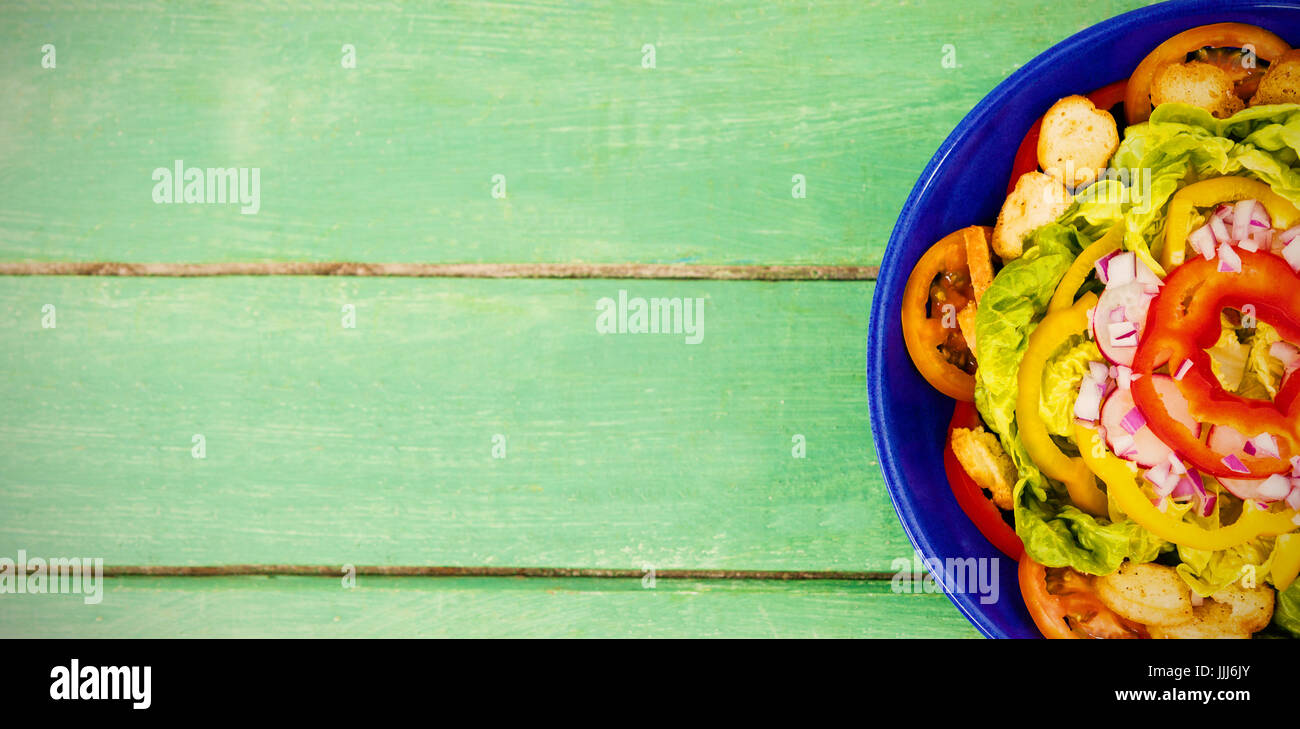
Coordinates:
(1060, 535)
(1061, 379)
(1286, 612)
(1208, 572)
(1263, 370)
(1008, 312)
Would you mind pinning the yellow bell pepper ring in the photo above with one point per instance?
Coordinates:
(1083, 265)
(1046, 339)
(1210, 192)
(1121, 481)
(1286, 560)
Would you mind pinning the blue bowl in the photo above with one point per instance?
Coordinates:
(964, 184)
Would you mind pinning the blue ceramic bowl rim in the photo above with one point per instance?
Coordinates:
(913, 521)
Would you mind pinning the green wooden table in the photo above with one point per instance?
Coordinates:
(440, 427)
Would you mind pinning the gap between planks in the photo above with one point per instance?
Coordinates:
(300, 570)
(669, 271)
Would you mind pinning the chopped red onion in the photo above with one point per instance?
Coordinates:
(1264, 444)
(1147, 277)
(1289, 234)
(1207, 504)
(1159, 477)
(1183, 369)
(1275, 487)
(1088, 405)
(1103, 267)
(1241, 219)
(1123, 377)
(1191, 485)
(1123, 334)
(1259, 218)
(1234, 464)
(1122, 269)
(1176, 465)
(1293, 498)
(1202, 241)
(1219, 231)
(1292, 255)
(1123, 446)
(1229, 261)
(1098, 371)
(1133, 421)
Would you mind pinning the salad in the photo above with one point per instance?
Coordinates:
(1123, 346)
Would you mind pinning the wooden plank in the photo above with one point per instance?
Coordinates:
(286, 607)
(373, 445)
(604, 160)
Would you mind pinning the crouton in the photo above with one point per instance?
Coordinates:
(978, 260)
(1211, 620)
(1037, 200)
(983, 459)
(1281, 84)
(1252, 609)
(1233, 612)
(1196, 84)
(1077, 141)
(966, 323)
(1147, 593)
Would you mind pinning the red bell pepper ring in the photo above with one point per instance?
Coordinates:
(1183, 322)
(986, 516)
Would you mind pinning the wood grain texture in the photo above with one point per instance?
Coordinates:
(372, 445)
(605, 161)
(291, 607)
(672, 271)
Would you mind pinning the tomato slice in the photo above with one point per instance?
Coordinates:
(1266, 45)
(938, 288)
(981, 510)
(1106, 98)
(1064, 605)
